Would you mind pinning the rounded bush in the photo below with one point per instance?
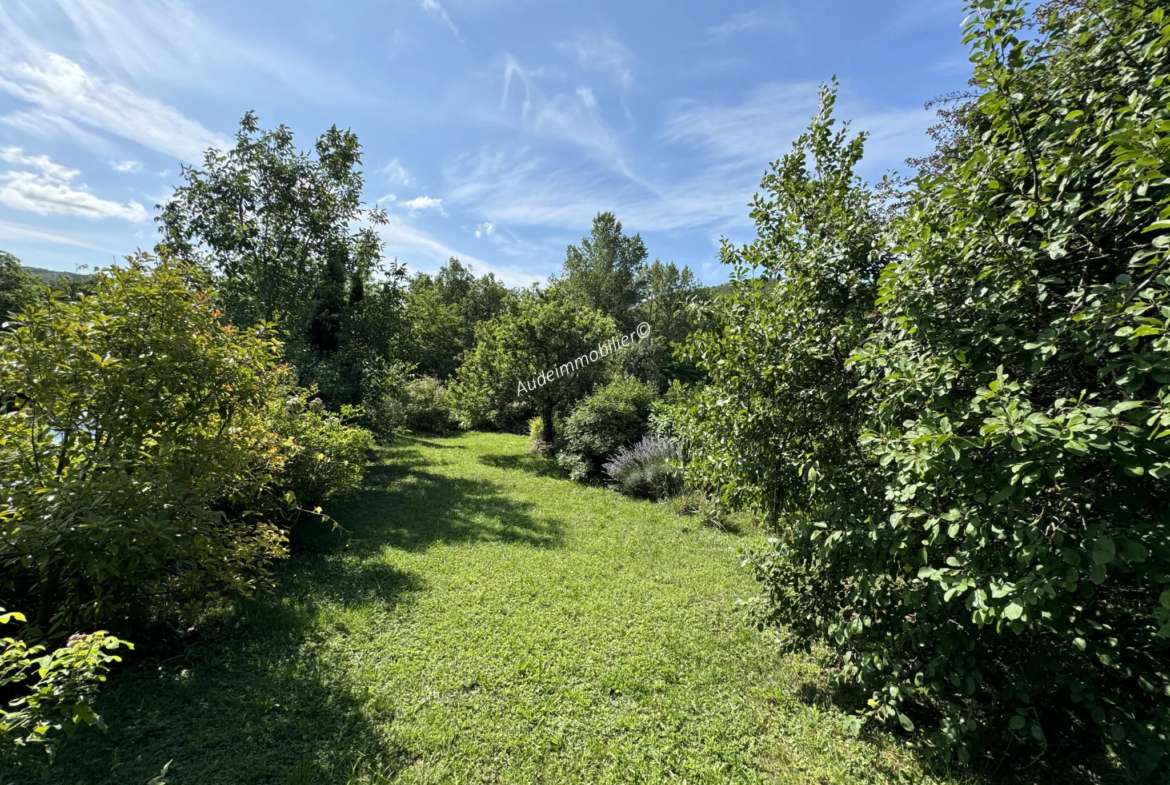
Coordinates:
(428, 406)
(612, 417)
(646, 470)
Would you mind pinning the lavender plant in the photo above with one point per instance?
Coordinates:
(646, 470)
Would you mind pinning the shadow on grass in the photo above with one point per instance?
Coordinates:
(423, 439)
(1075, 764)
(260, 698)
(409, 508)
(532, 464)
(266, 694)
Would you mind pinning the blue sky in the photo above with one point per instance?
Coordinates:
(493, 129)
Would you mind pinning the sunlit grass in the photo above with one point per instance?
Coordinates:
(487, 621)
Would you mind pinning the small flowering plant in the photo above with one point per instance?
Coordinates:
(648, 469)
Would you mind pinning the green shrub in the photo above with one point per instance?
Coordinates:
(536, 442)
(384, 398)
(974, 492)
(328, 456)
(55, 689)
(612, 417)
(133, 418)
(428, 406)
(687, 502)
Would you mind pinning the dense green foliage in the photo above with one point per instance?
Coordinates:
(57, 689)
(18, 287)
(526, 362)
(149, 453)
(775, 347)
(136, 415)
(966, 456)
(613, 416)
(442, 312)
(329, 454)
(428, 406)
(275, 224)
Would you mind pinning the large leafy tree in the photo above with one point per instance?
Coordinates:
(968, 456)
(667, 294)
(529, 360)
(291, 241)
(1019, 391)
(443, 311)
(18, 287)
(776, 419)
(605, 270)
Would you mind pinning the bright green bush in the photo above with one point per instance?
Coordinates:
(383, 396)
(134, 416)
(428, 406)
(972, 496)
(613, 416)
(55, 689)
(328, 456)
(536, 442)
(532, 359)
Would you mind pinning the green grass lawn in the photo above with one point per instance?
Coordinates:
(487, 621)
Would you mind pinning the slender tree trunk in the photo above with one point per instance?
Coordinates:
(548, 426)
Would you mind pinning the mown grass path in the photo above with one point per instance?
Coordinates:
(486, 621)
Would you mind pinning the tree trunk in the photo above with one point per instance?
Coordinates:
(548, 428)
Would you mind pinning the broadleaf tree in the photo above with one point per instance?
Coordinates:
(529, 360)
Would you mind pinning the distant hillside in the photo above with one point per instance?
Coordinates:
(50, 276)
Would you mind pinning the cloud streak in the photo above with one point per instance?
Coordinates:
(728, 147)
(433, 8)
(62, 88)
(46, 188)
(601, 52)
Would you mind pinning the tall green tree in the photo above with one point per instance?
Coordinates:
(443, 311)
(777, 417)
(530, 360)
(967, 454)
(668, 294)
(605, 270)
(291, 241)
(18, 287)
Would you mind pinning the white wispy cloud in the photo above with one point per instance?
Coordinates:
(161, 43)
(10, 231)
(422, 203)
(485, 229)
(61, 87)
(396, 174)
(433, 8)
(761, 128)
(427, 254)
(41, 163)
(129, 167)
(745, 21)
(571, 117)
(601, 52)
(47, 125)
(46, 188)
(727, 148)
